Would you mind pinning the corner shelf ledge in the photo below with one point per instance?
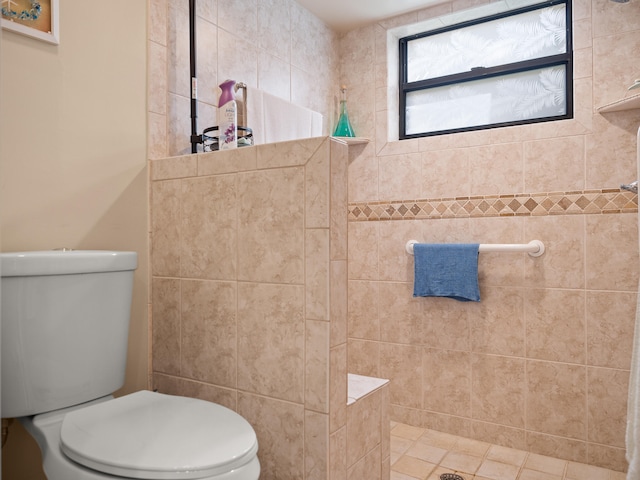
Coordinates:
(351, 140)
(628, 103)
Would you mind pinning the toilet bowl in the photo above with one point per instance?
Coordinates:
(146, 435)
(65, 320)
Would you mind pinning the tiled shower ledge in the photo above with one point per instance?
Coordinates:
(628, 103)
(359, 386)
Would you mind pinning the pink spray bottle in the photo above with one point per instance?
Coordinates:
(227, 116)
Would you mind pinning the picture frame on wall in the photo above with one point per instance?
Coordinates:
(34, 18)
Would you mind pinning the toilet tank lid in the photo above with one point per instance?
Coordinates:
(65, 262)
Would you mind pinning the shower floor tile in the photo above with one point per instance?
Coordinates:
(420, 453)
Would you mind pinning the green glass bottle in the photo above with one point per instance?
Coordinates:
(343, 128)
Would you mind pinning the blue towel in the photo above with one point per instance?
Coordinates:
(446, 270)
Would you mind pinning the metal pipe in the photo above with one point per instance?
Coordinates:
(194, 80)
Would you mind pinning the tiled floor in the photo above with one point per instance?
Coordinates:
(418, 453)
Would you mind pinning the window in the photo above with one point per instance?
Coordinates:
(510, 68)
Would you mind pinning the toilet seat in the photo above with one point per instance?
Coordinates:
(155, 436)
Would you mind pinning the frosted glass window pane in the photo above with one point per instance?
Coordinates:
(526, 36)
(521, 96)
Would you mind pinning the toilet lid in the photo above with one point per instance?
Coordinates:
(156, 436)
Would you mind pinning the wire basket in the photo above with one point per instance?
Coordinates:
(210, 138)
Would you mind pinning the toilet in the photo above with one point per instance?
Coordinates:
(65, 321)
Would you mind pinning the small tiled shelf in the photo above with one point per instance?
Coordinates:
(628, 103)
(359, 386)
(352, 140)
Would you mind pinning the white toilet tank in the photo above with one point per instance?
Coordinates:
(65, 323)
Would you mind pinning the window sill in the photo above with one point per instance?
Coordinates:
(628, 103)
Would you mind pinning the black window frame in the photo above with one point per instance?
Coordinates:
(480, 73)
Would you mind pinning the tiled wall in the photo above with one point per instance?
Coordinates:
(249, 298)
(542, 362)
(274, 45)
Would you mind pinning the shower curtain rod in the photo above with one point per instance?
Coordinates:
(535, 248)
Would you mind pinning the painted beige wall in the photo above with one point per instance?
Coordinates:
(73, 156)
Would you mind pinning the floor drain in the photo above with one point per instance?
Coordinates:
(451, 476)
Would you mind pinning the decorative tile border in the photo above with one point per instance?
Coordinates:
(521, 204)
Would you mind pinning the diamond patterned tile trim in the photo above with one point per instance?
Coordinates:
(606, 201)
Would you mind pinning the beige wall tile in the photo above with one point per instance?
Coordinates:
(317, 188)
(157, 78)
(339, 305)
(446, 381)
(562, 264)
(368, 467)
(280, 429)
(174, 167)
(498, 390)
(612, 245)
(363, 427)
(337, 387)
(363, 175)
(444, 173)
(555, 322)
(542, 158)
(166, 199)
(400, 176)
(611, 149)
(364, 357)
(158, 21)
(227, 161)
(497, 322)
(338, 454)
(165, 301)
(403, 365)
(207, 65)
(395, 264)
(274, 28)
(317, 274)
(157, 146)
(316, 387)
(294, 153)
(499, 434)
(495, 169)
(242, 68)
(209, 227)
(195, 389)
(363, 250)
(608, 457)
(445, 323)
(338, 200)
(316, 451)
(400, 314)
(271, 332)
(558, 447)
(363, 298)
(610, 328)
(556, 399)
(208, 331)
(611, 74)
(607, 405)
(271, 222)
(613, 19)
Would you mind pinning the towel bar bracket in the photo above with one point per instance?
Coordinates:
(534, 248)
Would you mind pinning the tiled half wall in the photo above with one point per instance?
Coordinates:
(249, 300)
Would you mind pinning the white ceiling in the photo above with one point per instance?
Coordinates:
(344, 15)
